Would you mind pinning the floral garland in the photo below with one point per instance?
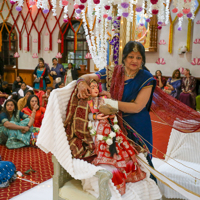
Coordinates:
(109, 139)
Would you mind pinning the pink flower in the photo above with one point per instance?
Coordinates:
(154, 1)
(75, 6)
(175, 10)
(105, 15)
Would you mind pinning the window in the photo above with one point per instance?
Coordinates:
(6, 54)
(77, 58)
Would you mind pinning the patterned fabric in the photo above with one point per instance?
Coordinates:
(80, 140)
(176, 83)
(7, 173)
(117, 90)
(16, 138)
(38, 116)
(125, 160)
(189, 98)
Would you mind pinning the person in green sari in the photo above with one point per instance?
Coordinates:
(15, 126)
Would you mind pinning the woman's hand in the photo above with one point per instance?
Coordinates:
(112, 116)
(102, 116)
(84, 90)
(41, 77)
(34, 76)
(25, 129)
(19, 83)
(6, 96)
(105, 93)
(35, 107)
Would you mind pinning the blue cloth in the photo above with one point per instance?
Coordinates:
(58, 72)
(177, 87)
(37, 85)
(7, 170)
(141, 121)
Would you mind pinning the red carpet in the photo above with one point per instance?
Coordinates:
(23, 158)
(161, 135)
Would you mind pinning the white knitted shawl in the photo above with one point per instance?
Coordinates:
(52, 138)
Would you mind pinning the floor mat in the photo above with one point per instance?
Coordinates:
(24, 158)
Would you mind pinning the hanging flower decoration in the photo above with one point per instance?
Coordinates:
(45, 11)
(125, 5)
(65, 20)
(65, 2)
(18, 8)
(125, 14)
(107, 7)
(138, 9)
(81, 7)
(96, 1)
(155, 11)
(154, 1)
(75, 6)
(109, 18)
(59, 41)
(88, 56)
(59, 55)
(148, 20)
(12, 2)
(32, 2)
(105, 16)
(16, 55)
(83, 1)
(34, 55)
(174, 10)
(78, 11)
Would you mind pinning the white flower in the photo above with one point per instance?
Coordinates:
(115, 120)
(119, 139)
(116, 128)
(92, 132)
(112, 134)
(19, 174)
(100, 137)
(89, 124)
(109, 141)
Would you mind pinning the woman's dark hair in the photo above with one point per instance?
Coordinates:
(23, 83)
(129, 47)
(31, 91)
(54, 59)
(60, 83)
(41, 60)
(49, 88)
(14, 111)
(15, 96)
(174, 72)
(5, 83)
(158, 71)
(188, 70)
(21, 79)
(28, 104)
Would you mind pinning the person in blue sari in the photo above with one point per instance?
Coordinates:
(7, 173)
(131, 90)
(15, 126)
(173, 86)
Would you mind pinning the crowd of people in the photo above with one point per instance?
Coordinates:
(184, 89)
(23, 106)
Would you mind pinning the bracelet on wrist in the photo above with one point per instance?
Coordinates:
(80, 80)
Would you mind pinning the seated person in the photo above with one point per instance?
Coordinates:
(24, 88)
(7, 173)
(160, 81)
(15, 125)
(32, 101)
(188, 86)
(105, 142)
(61, 84)
(17, 84)
(4, 92)
(46, 96)
(23, 101)
(173, 86)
